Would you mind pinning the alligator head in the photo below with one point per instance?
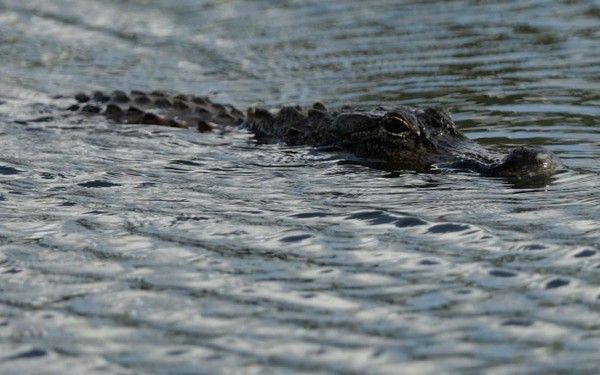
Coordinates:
(403, 137)
(417, 139)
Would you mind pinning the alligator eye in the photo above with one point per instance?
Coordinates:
(394, 124)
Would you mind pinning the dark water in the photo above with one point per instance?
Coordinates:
(142, 249)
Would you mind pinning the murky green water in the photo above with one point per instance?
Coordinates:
(141, 249)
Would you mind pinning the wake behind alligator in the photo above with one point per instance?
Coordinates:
(398, 138)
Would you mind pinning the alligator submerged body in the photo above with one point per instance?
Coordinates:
(402, 137)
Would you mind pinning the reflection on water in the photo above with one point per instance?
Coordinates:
(138, 249)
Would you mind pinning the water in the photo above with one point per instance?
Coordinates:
(145, 249)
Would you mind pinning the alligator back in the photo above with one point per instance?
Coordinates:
(159, 108)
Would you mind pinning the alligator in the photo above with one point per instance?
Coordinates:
(395, 138)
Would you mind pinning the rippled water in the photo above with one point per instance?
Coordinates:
(145, 249)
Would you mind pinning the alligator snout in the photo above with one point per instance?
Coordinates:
(526, 162)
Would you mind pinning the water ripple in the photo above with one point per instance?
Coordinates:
(138, 249)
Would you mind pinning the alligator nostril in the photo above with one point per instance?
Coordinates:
(526, 162)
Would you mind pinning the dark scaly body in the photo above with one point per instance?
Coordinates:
(401, 137)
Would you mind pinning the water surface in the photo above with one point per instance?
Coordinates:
(144, 249)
